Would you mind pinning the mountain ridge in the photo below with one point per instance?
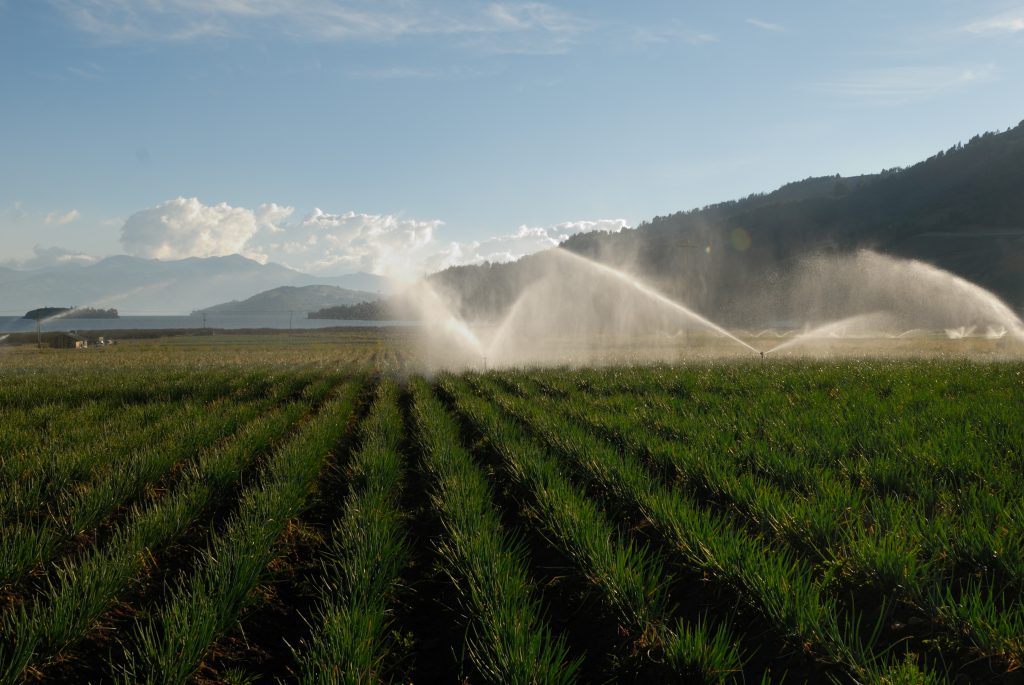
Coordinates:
(290, 298)
(961, 209)
(135, 285)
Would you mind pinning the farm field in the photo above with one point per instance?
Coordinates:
(318, 508)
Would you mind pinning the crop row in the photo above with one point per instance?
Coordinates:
(118, 387)
(508, 640)
(950, 426)
(77, 512)
(80, 589)
(887, 542)
(367, 550)
(696, 524)
(39, 532)
(168, 647)
(778, 584)
(630, 579)
(59, 449)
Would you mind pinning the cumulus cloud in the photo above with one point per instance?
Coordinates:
(185, 227)
(328, 243)
(323, 242)
(525, 240)
(269, 214)
(62, 218)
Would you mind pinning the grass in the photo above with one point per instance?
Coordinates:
(83, 589)
(858, 521)
(631, 580)
(509, 641)
(204, 605)
(367, 551)
(890, 542)
(777, 584)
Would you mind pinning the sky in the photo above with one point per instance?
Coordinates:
(401, 136)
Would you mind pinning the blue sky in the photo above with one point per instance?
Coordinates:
(382, 135)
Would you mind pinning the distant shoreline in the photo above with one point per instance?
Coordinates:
(29, 337)
(225, 322)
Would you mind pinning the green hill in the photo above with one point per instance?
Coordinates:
(298, 299)
(962, 210)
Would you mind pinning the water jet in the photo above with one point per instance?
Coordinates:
(563, 308)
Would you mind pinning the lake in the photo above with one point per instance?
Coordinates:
(12, 324)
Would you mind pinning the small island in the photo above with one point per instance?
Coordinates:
(378, 310)
(44, 313)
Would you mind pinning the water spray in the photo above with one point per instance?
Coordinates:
(558, 310)
(653, 294)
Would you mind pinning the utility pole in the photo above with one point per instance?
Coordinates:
(204, 320)
(39, 334)
(290, 319)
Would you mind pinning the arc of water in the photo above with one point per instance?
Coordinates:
(653, 294)
(829, 329)
(432, 305)
(493, 345)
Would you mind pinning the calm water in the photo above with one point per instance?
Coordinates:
(10, 324)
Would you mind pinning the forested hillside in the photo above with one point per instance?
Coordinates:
(962, 209)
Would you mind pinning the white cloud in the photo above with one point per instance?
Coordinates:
(327, 243)
(185, 227)
(52, 256)
(527, 28)
(766, 25)
(525, 240)
(337, 243)
(514, 27)
(1010, 22)
(568, 228)
(672, 34)
(62, 218)
(902, 85)
(268, 215)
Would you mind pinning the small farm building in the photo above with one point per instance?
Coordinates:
(68, 341)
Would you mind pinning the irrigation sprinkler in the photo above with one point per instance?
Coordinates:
(485, 363)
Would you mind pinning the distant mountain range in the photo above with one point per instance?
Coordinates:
(148, 286)
(298, 299)
(961, 210)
